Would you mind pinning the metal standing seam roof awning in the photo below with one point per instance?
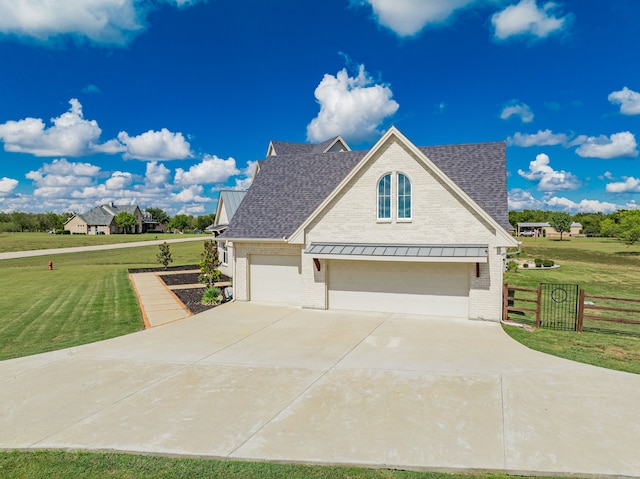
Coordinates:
(445, 253)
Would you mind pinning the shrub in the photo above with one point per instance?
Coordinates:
(547, 263)
(526, 265)
(211, 295)
(538, 262)
(512, 266)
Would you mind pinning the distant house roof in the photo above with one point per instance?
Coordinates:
(231, 199)
(103, 215)
(289, 187)
(544, 225)
(277, 148)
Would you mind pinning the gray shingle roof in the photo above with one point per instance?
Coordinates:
(290, 148)
(289, 188)
(480, 169)
(103, 215)
(286, 191)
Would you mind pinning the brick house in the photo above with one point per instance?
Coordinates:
(396, 228)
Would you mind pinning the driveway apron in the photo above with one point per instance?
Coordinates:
(251, 381)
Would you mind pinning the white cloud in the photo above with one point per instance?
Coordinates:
(107, 22)
(549, 179)
(628, 100)
(584, 206)
(191, 194)
(60, 177)
(629, 185)
(351, 107)
(520, 199)
(541, 138)
(526, 18)
(408, 17)
(70, 135)
(155, 145)
(210, 170)
(7, 185)
(521, 110)
(618, 145)
(157, 174)
(119, 180)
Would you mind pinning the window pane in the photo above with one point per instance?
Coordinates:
(384, 197)
(404, 196)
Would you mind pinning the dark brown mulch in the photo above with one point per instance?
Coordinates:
(185, 267)
(191, 299)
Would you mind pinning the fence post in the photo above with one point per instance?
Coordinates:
(580, 310)
(505, 301)
(538, 306)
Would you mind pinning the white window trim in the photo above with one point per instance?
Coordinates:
(409, 219)
(225, 255)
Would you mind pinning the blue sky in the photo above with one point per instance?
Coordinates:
(165, 103)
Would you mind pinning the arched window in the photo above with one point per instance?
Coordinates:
(404, 197)
(384, 197)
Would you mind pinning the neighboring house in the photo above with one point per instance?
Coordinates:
(545, 229)
(228, 203)
(149, 223)
(101, 220)
(396, 228)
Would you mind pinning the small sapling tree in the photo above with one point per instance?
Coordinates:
(164, 256)
(209, 272)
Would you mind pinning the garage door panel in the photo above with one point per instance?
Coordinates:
(275, 279)
(415, 288)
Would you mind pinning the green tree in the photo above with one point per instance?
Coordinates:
(561, 222)
(205, 220)
(164, 256)
(181, 222)
(21, 220)
(590, 222)
(125, 220)
(159, 215)
(629, 227)
(209, 272)
(609, 228)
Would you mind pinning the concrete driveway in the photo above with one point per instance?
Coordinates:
(275, 383)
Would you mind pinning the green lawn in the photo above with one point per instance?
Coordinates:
(600, 266)
(87, 297)
(83, 465)
(32, 241)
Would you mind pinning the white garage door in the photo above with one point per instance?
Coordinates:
(275, 279)
(438, 289)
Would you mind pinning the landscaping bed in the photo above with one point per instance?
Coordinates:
(190, 297)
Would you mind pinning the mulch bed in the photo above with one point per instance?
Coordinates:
(190, 297)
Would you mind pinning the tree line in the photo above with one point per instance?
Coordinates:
(623, 224)
(19, 221)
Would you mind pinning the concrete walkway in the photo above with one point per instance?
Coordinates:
(249, 381)
(159, 305)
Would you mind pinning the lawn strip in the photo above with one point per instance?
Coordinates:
(81, 465)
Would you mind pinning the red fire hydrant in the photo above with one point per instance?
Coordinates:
(50, 265)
